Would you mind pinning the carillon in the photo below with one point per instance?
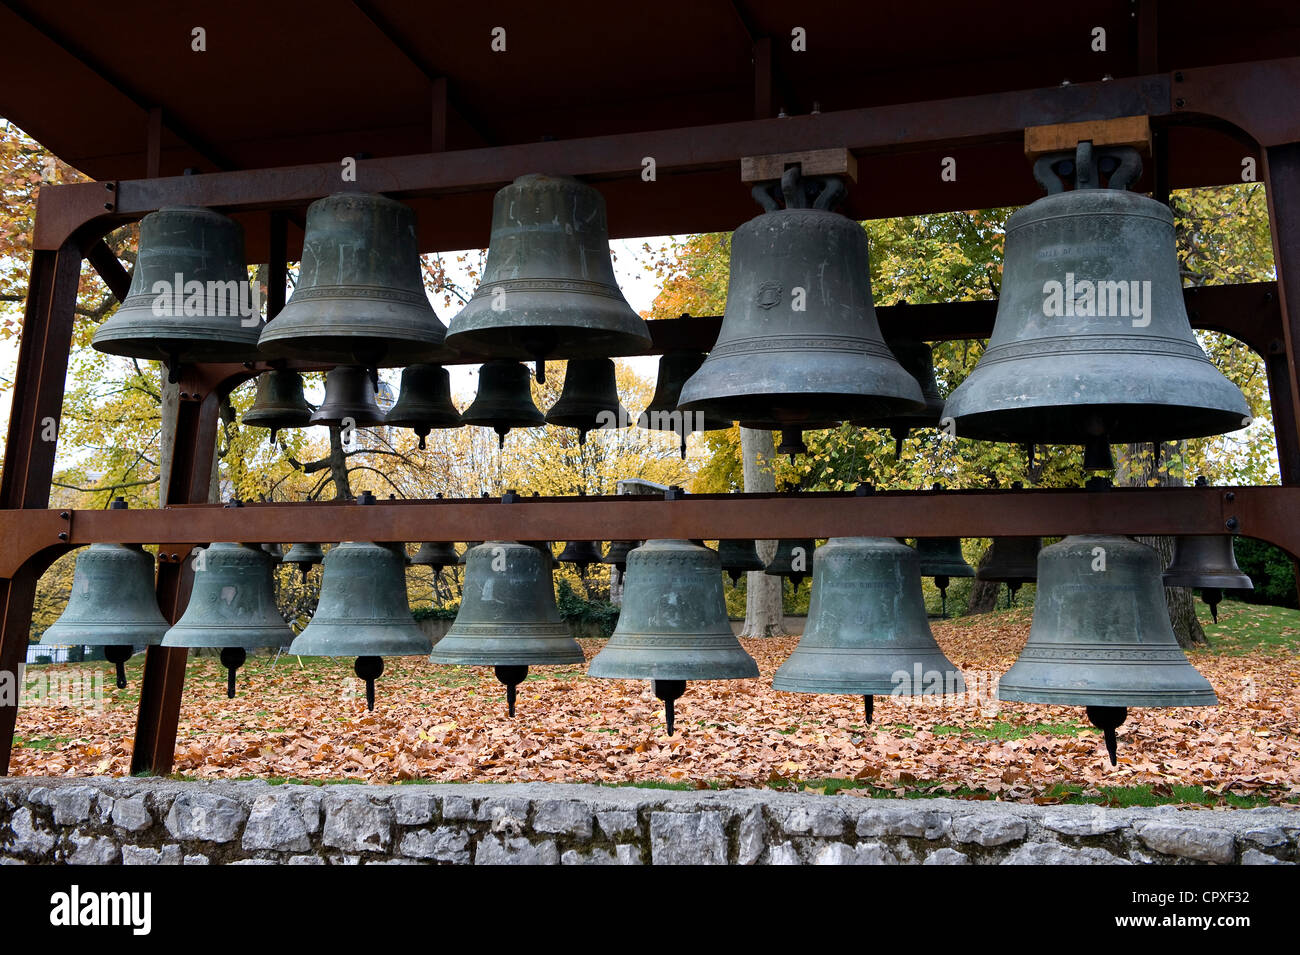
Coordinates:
(918, 359)
(1209, 563)
(436, 554)
(664, 414)
(504, 400)
(589, 399)
(279, 403)
(1012, 561)
(349, 399)
(793, 559)
(305, 556)
(941, 558)
(424, 402)
(739, 557)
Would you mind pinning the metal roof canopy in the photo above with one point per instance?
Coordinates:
(309, 83)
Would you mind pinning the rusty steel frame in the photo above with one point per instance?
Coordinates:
(71, 221)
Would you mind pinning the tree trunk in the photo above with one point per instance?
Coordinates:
(764, 614)
(1139, 465)
(984, 593)
(338, 464)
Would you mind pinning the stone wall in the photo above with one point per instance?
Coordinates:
(150, 821)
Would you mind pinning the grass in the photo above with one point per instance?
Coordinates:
(43, 743)
(1014, 730)
(1249, 628)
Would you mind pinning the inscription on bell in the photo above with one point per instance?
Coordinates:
(769, 295)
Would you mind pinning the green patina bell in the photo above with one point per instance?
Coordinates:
(232, 607)
(616, 555)
(1207, 562)
(112, 605)
(589, 399)
(1101, 636)
(508, 619)
(867, 632)
(917, 358)
(363, 612)
(738, 557)
(663, 414)
(673, 626)
(189, 299)
(424, 402)
(581, 553)
(941, 558)
(793, 559)
(305, 556)
(360, 298)
(436, 554)
(548, 288)
(504, 400)
(279, 402)
(1012, 561)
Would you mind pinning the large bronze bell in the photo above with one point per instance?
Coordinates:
(1207, 562)
(279, 402)
(189, 300)
(1092, 344)
(663, 414)
(581, 553)
(504, 400)
(800, 347)
(424, 402)
(1012, 561)
(436, 554)
(941, 558)
(360, 298)
(1101, 636)
(738, 557)
(349, 399)
(867, 632)
(232, 607)
(508, 619)
(112, 605)
(548, 288)
(793, 559)
(363, 612)
(673, 626)
(589, 398)
(918, 359)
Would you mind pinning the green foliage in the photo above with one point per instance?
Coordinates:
(1270, 570)
(598, 615)
(435, 613)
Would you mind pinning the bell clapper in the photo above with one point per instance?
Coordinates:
(118, 654)
(668, 691)
(1096, 455)
(868, 704)
(540, 365)
(942, 583)
(1107, 719)
(1212, 596)
(369, 669)
(232, 658)
(511, 676)
(899, 434)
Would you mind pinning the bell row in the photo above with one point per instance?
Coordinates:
(1100, 638)
(1091, 344)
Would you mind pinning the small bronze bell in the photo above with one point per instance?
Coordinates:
(232, 606)
(548, 288)
(305, 556)
(1101, 636)
(662, 414)
(589, 399)
(112, 605)
(363, 612)
(941, 558)
(616, 556)
(1012, 561)
(793, 559)
(867, 632)
(582, 553)
(424, 402)
(1207, 562)
(279, 403)
(503, 400)
(917, 359)
(673, 626)
(436, 554)
(349, 399)
(508, 619)
(738, 557)
(360, 298)
(189, 300)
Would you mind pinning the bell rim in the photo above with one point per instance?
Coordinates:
(1126, 698)
(95, 635)
(1225, 581)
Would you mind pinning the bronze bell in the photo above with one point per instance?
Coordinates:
(738, 557)
(1091, 344)
(673, 626)
(1207, 562)
(112, 605)
(793, 559)
(582, 553)
(363, 612)
(1012, 561)
(274, 551)
(504, 400)
(548, 288)
(941, 558)
(424, 402)
(360, 298)
(305, 556)
(1101, 636)
(508, 619)
(616, 556)
(662, 414)
(800, 347)
(436, 554)
(190, 299)
(917, 358)
(589, 398)
(279, 402)
(867, 632)
(232, 606)
(349, 399)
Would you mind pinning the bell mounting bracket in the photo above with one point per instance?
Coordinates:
(1085, 165)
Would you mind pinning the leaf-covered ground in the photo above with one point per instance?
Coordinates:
(305, 720)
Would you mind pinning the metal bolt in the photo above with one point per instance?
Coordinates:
(1180, 102)
(65, 515)
(63, 535)
(1231, 496)
(1231, 524)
